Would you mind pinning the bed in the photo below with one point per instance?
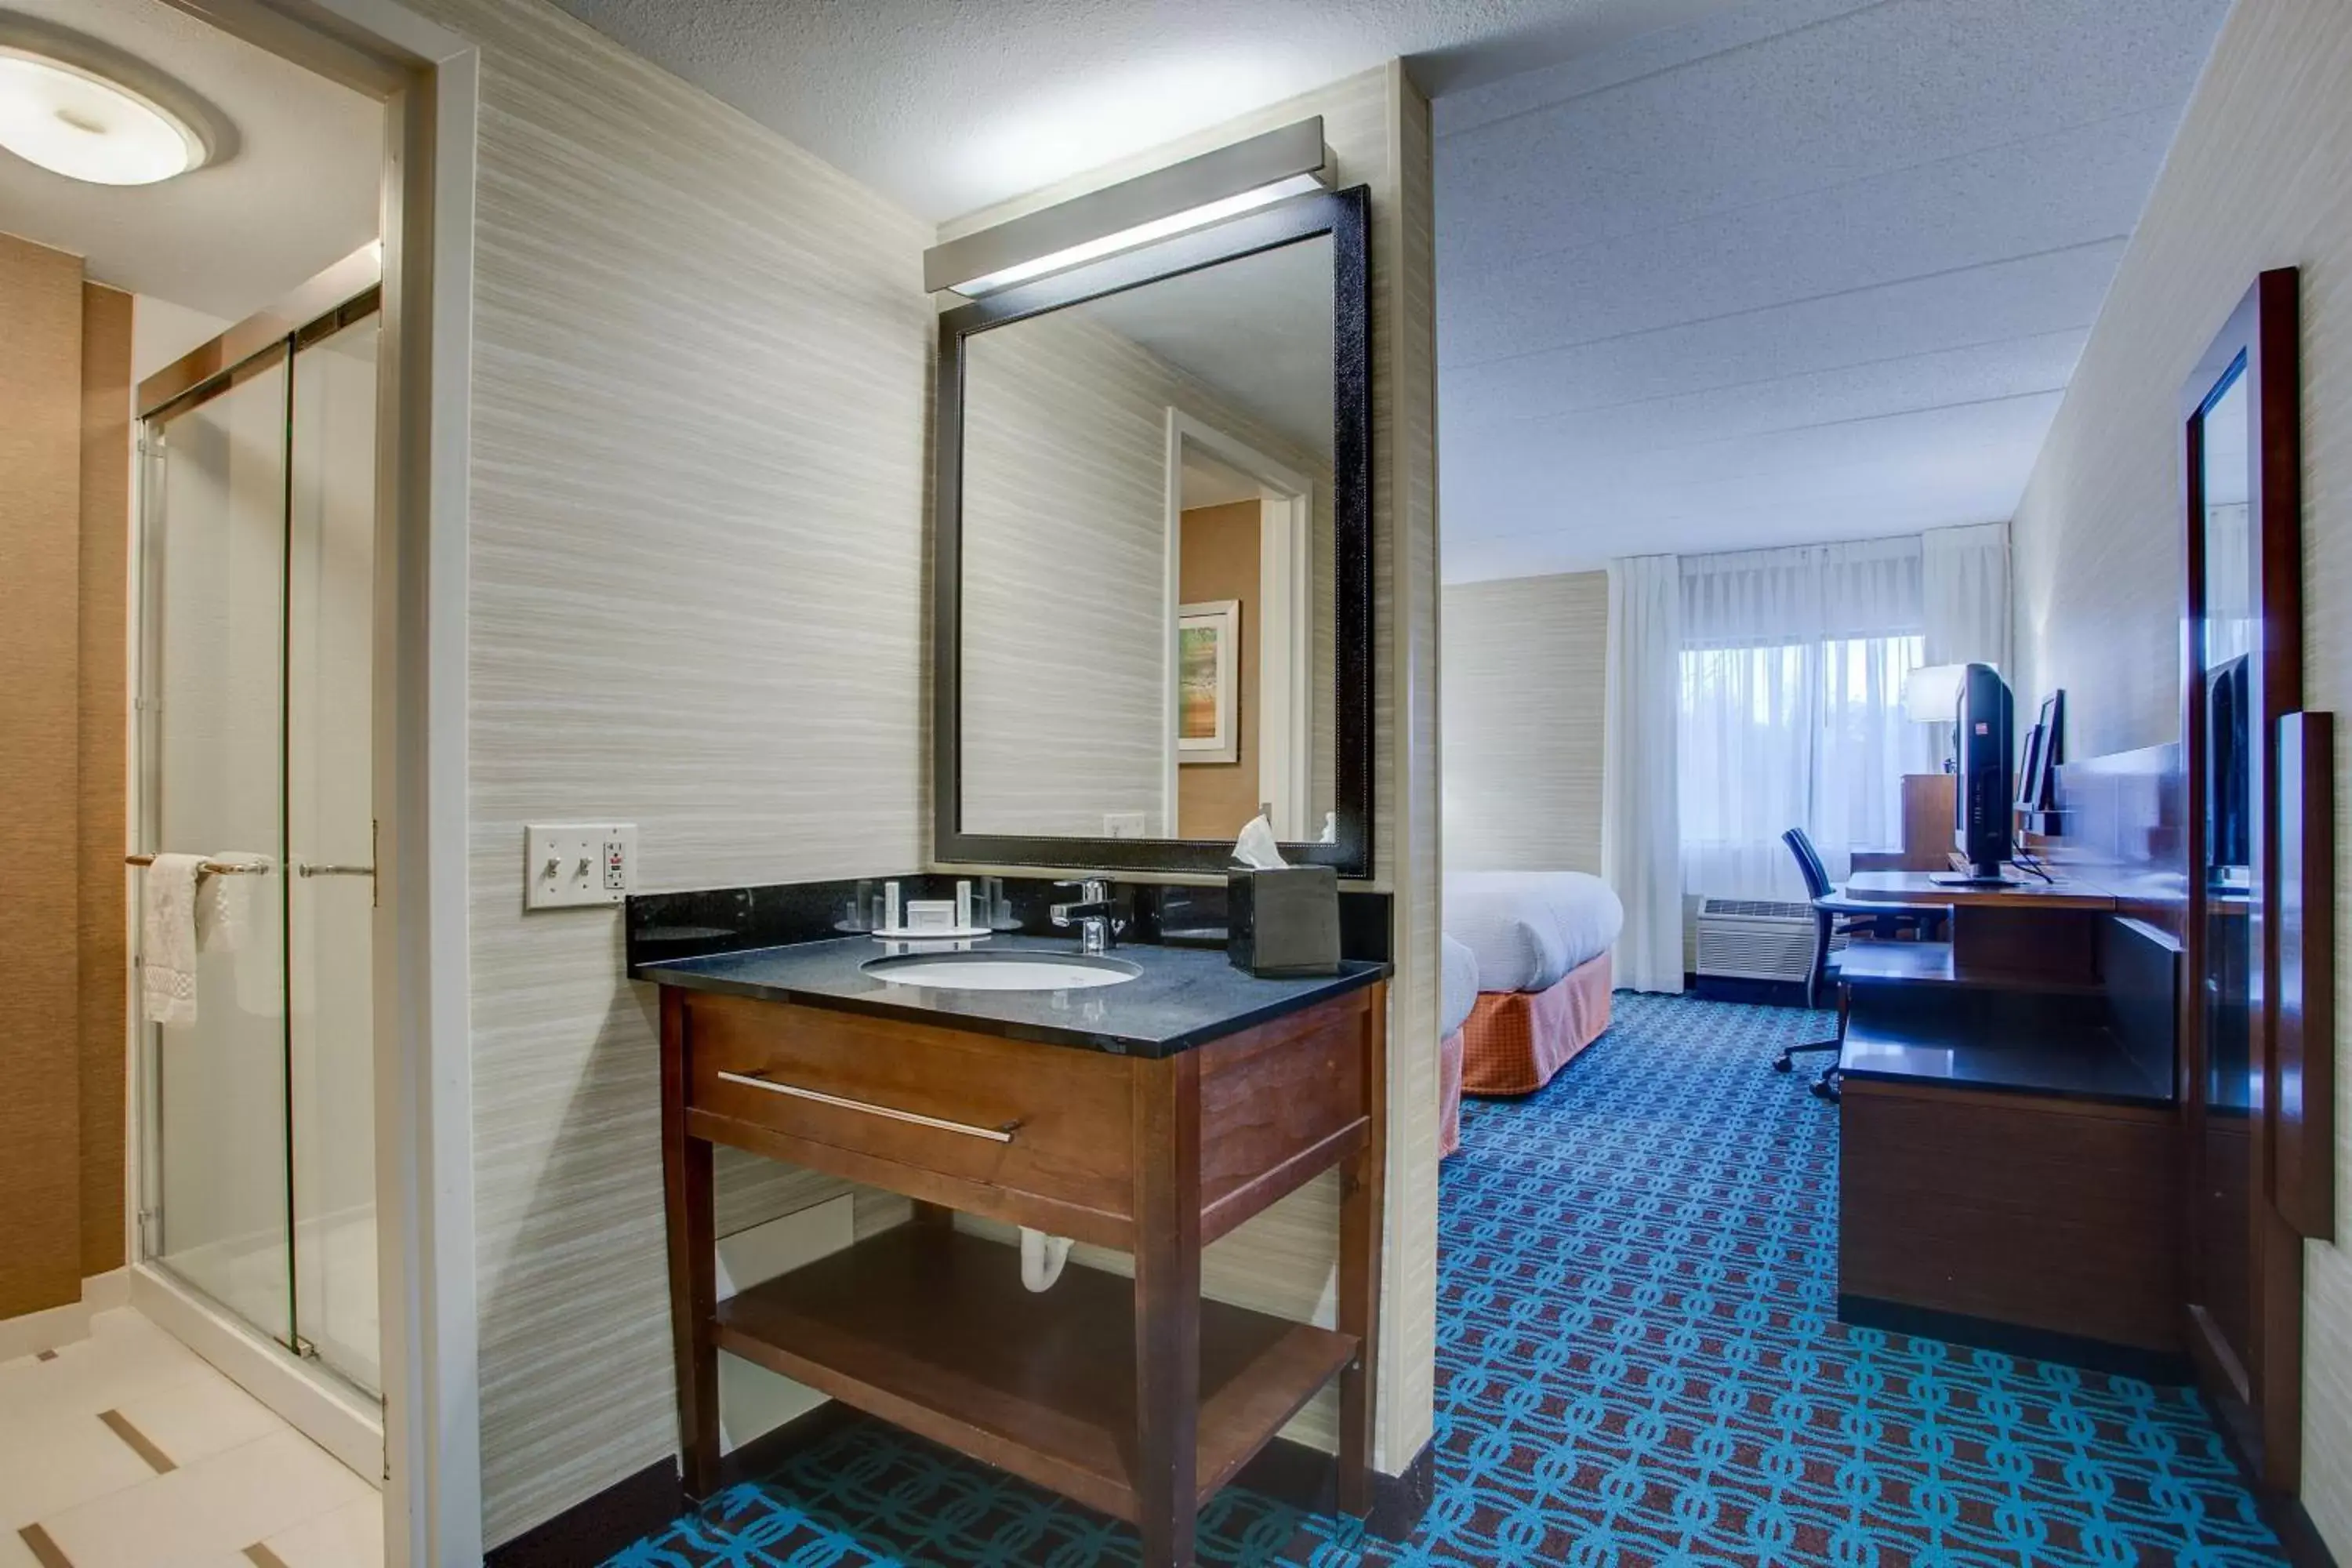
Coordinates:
(1541, 941)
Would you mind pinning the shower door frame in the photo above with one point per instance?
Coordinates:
(428, 77)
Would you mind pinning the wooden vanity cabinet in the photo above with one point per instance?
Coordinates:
(1139, 1398)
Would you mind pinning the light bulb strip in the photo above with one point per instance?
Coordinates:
(1206, 189)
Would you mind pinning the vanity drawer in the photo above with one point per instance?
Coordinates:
(1026, 1132)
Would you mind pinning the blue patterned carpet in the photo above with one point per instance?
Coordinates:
(1637, 1363)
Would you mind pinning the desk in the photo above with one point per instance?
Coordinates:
(2028, 933)
(2026, 892)
(2007, 1127)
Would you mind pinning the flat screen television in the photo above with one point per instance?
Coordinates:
(1981, 805)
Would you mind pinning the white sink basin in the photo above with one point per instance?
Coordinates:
(1002, 971)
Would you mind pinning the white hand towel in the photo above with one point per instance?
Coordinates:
(167, 947)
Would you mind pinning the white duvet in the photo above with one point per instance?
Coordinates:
(1459, 993)
(1528, 928)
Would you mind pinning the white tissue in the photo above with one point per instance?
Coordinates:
(1256, 849)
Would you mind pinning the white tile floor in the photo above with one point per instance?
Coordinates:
(125, 1450)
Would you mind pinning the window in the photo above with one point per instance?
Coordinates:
(1791, 734)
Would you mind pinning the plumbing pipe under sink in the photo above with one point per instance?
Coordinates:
(1042, 1258)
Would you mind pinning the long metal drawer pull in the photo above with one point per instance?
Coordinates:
(993, 1134)
(307, 870)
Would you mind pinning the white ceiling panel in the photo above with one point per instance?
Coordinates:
(1678, 485)
(1806, 271)
(2005, 302)
(1942, 217)
(2031, 367)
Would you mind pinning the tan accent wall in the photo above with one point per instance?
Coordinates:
(1526, 683)
(40, 524)
(1217, 558)
(104, 597)
(2255, 179)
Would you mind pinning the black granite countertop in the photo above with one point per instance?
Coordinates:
(1182, 997)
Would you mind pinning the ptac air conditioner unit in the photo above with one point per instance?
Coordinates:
(1756, 939)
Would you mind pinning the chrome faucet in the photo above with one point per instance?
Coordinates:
(1094, 914)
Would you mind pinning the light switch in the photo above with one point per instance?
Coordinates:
(569, 864)
(1122, 825)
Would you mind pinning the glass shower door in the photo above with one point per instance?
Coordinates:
(330, 835)
(215, 724)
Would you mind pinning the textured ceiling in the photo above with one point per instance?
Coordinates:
(950, 108)
(299, 193)
(1806, 271)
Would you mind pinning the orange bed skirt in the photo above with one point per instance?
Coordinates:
(1515, 1040)
(1449, 1094)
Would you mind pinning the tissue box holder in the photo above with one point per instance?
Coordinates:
(1284, 923)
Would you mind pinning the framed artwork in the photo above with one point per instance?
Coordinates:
(1208, 678)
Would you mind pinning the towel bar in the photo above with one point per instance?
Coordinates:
(210, 868)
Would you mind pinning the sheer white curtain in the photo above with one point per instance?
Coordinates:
(1790, 710)
(1964, 594)
(1640, 856)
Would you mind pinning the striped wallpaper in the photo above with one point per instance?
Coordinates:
(701, 370)
(1524, 684)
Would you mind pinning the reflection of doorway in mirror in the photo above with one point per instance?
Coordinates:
(1239, 529)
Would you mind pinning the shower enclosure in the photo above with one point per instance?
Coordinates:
(255, 748)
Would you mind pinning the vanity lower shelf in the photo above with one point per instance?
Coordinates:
(931, 1329)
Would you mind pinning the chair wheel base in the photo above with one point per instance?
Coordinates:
(1820, 1089)
(1779, 1064)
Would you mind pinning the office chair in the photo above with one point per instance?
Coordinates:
(1834, 914)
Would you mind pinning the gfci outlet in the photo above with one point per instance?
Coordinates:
(572, 864)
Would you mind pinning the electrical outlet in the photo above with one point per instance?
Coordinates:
(1122, 825)
(575, 865)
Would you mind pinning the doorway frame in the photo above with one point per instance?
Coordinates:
(1285, 764)
(429, 79)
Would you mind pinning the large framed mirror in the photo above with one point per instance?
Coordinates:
(1153, 593)
(2241, 689)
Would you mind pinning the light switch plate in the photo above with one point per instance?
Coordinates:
(1122, 825)
(576, 864)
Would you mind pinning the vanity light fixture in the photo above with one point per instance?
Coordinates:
(1198, 192)
(80, 123)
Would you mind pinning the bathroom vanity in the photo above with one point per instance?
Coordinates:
(1151, 1114)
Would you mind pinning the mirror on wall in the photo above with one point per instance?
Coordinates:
(1153, 613)
(2255, 1105)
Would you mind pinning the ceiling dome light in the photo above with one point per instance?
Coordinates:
(77, 123)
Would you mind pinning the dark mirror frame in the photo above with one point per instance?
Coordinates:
(1340, 215)
(2256, 1387)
